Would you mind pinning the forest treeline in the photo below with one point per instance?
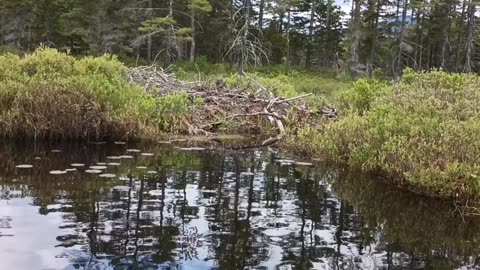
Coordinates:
(376, 35)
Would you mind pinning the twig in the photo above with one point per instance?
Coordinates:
(293, 98)
(241, 115)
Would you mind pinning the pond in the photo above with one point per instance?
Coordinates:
(119, 206)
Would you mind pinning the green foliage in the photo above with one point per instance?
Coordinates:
(158, 24)
(361, 96)
(171, 111)
(200, 5)
(52, 94)
(423, 130)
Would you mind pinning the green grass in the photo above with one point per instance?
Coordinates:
(423, 132)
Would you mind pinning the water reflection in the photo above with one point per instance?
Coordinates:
(215, 210)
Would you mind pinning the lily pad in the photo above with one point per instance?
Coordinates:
(24, 166)
(299, 163)
(77, 165)
(147, 154)
(107, 175)
(192, 149)
(113, 164)
(57, 172)
(134, 150)
(102, 167)
(93, 171)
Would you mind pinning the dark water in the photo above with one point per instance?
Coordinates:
(215, 209)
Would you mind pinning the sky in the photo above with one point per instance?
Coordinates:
(344, 4)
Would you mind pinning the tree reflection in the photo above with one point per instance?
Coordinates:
(234, 210)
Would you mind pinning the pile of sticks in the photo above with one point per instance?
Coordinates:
(156, 80)
(223, 105)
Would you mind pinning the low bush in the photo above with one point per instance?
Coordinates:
(52, 94)
(423, 131)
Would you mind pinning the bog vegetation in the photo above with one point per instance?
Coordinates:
(423, 131)
(52, 94)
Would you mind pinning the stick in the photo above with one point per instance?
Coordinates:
(293, 98)
(240, 115)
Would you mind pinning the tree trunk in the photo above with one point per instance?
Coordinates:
(419, 37)
(260, 15)
(355, 46)
(326, 55)
(400, 41)
(371, 62)
(308, 58)
(192, 48)
(445, 41)
(243, 53)
(170, 40)
(149, 38)
(467, 67)
(460, 36)
(287, 63)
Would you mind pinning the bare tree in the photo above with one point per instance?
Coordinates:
(460, 34)
(354, 63)
(245, 48)
(401, 35)
(308, 58)
(371, 62)
(468, 65)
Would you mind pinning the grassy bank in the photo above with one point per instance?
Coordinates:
(423, 132)
(48, 94)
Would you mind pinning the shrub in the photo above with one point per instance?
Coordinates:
(171, 111)
(424, 130)
(52, 94)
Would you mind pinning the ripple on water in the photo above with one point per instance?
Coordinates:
(263, 221)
